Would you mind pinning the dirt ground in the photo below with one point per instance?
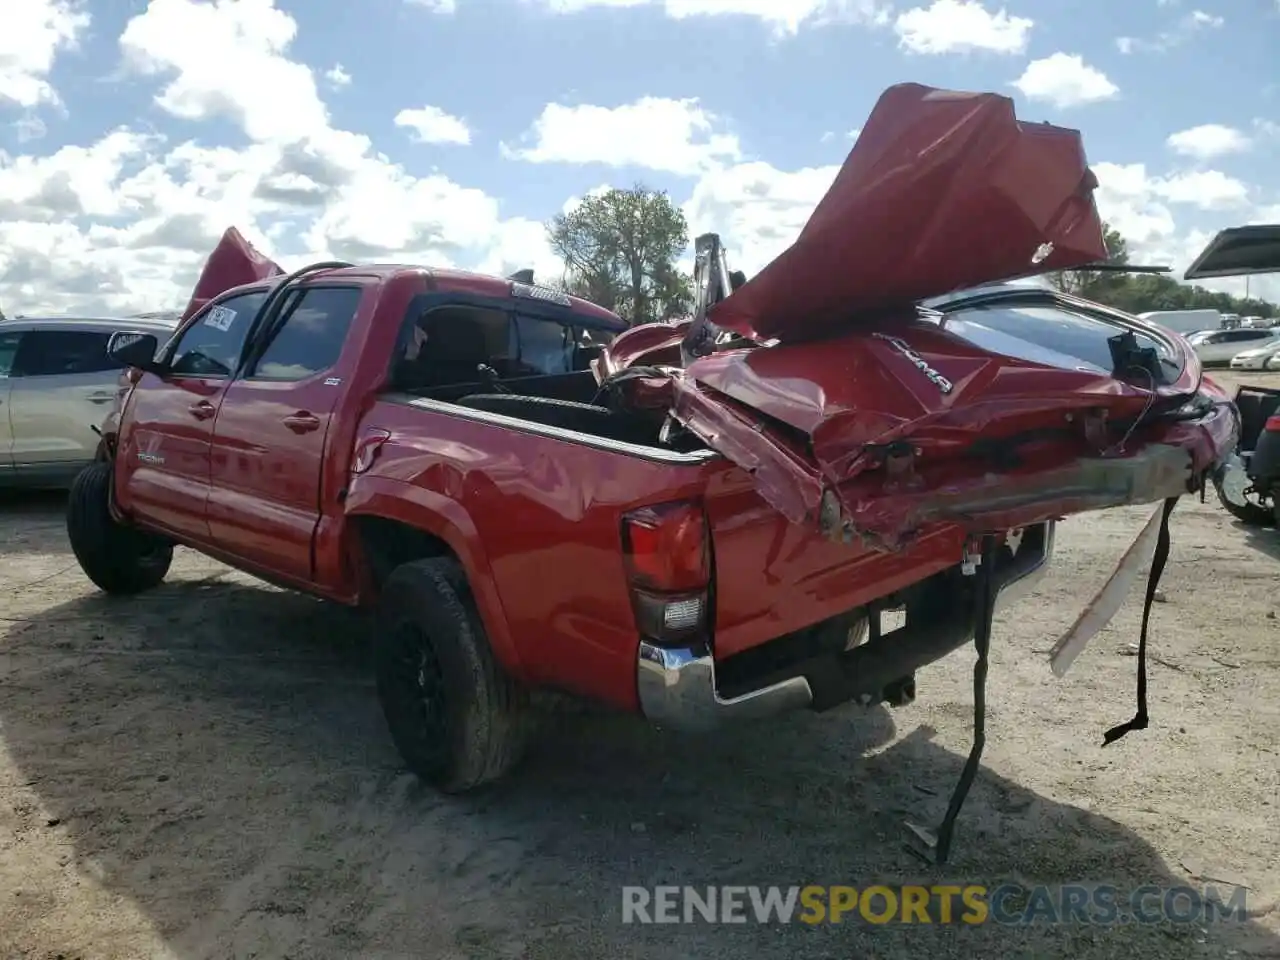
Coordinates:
(203, 772)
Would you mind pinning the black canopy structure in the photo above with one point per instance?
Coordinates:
(1238, 252)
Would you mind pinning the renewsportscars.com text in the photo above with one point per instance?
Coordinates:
(970, 904)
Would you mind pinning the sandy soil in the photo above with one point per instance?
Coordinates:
(203, 772)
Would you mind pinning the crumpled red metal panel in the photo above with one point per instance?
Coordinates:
(943, 190)
(234, 261)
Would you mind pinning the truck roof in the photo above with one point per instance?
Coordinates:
(54, 321)
(461, 281)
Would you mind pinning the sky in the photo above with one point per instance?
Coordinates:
(446, 132)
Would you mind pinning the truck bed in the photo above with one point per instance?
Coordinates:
(546, 503)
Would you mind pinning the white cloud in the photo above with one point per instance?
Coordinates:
(193, 44)
(1142, 207)
(433, 125)
(1206, 189)
(674, 136)
(32, 34)
(301, 189)
(29, 128)
(757, 209)
(961, 26)
(1065, 80)
(783, 16)
(1181, 32)
(338, 76)
(75, 181)
(1128, 193)
(125, 222)
(851, 135)
(1264, 128)
(1207, 141)
(436, 6)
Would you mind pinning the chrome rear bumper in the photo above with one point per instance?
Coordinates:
(677, 686)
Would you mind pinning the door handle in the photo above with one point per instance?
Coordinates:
(202, 409)
(100, 397)
(302, 422)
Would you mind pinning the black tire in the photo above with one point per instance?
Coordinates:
(117, 558)
(457, 718)
(1251, 514)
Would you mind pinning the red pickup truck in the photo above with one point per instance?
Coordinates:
(700, 522)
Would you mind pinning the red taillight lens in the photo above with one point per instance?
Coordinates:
(1272, 425)
(666, 547)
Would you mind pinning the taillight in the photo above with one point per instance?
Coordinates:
(1272, 425)
(668, 557)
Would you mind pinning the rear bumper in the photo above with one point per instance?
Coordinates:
(677, 686)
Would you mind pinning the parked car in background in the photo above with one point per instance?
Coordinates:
(1263, 357)
(1184, 321)
(57, 384)
(1221, 346)
(1248, 481)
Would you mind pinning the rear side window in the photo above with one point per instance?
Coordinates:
(8, 350)
(51, 353)
(542, 347)
(311, 338)
(211, 346)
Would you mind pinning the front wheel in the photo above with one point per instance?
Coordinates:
(456, 717)
(117, 558)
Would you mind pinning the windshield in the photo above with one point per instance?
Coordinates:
(1051, 335)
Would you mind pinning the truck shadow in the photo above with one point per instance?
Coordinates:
(213, 753)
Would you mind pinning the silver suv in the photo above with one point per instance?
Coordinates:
(56, 384)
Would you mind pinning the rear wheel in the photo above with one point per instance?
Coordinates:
(456, 717)
(1235, 492)
(117, 558)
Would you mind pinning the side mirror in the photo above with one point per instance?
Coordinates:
(135, 350)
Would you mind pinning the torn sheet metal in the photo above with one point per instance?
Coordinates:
(943, 190)
(1102, 609)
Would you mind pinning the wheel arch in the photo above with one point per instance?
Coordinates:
(396, 524)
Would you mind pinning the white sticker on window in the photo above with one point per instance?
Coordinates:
(220, 318)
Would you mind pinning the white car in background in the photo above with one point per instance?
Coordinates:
(1221, 346)
(56, 385)
(1263, 357)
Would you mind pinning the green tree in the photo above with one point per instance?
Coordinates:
(620, 249)
(1083, 282)
(1141, 292)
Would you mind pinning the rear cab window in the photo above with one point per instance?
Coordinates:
(451, 344)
